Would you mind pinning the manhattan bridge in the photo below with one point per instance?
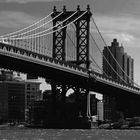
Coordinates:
(65, 48)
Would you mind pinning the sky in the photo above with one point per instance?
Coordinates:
(115, 18)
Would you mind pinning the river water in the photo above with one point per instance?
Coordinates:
(66, 134)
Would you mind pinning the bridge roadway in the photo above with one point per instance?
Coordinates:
(25, 61)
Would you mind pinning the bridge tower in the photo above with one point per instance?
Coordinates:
(82, 37)
(82, 25)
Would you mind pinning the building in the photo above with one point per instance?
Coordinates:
(125, 62)
(32, 93)
(17, 96)
(6, 75)
(12, 101)
(122, 72)
(29, 76)
(109, 108)
(40, 113)
(128, 66)
(93, 104)
(100, 111)
(32, 90)
(47, 94)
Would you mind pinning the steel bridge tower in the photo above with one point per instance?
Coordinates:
(60, 86)
(82, 34)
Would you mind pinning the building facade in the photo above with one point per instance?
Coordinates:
(12, 101)
(17, 96)
(120, 70)
(100, 111)
(32, 93)
(93, 104)
(123, 68)
(109, 108)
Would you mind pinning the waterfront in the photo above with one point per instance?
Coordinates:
(68, 134)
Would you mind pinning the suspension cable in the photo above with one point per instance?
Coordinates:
(3, 36)
(30, 36)
(90, 55)
(107, 60)
(93, 58)
(52, 27)
(98, 66)
(38, 26)
(112, 54)
(27, 37)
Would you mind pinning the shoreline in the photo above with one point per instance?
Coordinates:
(8, 127)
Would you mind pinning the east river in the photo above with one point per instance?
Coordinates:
(68, 134)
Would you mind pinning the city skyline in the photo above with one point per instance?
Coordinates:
(116, 19)
(124, 60)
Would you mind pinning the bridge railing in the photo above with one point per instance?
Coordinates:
(104, 77)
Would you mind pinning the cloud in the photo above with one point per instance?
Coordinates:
(125, 28)
(117, 7)
(26, 1)
(124, 38)
(13, 19)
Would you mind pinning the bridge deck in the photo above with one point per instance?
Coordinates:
(28, 62)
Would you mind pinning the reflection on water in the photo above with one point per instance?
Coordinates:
(65, 134)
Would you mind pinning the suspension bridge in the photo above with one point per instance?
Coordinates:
(66, 48)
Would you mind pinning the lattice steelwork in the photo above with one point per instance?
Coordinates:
(82, 27)
(58, 37)
(59, 42)
(82, 35)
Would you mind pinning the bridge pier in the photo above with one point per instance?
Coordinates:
(87, 118)
(69, 114)
(78, 105)
(84, 116)
(54, 103)
(82, 26)
(58, 115)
